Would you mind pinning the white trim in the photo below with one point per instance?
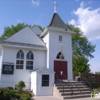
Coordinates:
(30, 30)
(38, 48)
(56, 29)
(42, 70)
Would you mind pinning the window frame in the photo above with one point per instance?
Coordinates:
(29, 59)
(20, 59)
(60, 38)
(45, 82)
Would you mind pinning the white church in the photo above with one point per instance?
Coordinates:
(37, 58)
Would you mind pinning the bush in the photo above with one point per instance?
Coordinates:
(21, 85)
(11, 94)
(25, 97)
(4, 94)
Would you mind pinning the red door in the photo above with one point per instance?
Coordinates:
(58, 67)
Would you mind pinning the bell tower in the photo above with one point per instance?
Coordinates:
(58, 39)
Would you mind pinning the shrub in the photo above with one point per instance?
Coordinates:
(4, 94)
(11, 94)
(21, 85)
(25, 97)
(10, 88)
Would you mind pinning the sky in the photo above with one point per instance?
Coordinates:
(84, 14)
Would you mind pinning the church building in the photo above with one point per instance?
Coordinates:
(37, 58)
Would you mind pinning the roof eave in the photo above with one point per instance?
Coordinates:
(20, 46)
(56, 29)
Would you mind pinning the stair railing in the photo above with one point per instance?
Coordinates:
(86, 81)
(58, 79)
(68, 84)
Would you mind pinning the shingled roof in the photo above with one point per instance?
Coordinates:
(56, 21)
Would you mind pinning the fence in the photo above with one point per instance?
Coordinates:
(94, 79)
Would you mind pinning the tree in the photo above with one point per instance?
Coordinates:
(9, 31)
(80, 64)
(97, 73)
(82, 50)
(21, 85)
(81, 45)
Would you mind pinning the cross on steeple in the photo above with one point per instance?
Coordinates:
(55, 5)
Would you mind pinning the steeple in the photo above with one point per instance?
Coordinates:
(56, 21)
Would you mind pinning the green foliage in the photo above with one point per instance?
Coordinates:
(97, 72)
(82, 50)
(25, 97)
(4, 94)
(11, 94)
(81, 45)
(9, 31)
(80, 64)
(21, 85)
(94, 94)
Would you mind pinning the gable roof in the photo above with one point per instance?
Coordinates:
(56, 21)
(43, 70)
(25, 36)
(36, 30)
(23, 45)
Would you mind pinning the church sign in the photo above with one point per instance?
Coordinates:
(7, 69)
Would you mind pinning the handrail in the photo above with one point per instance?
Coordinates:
(68, 85)
(88, 86)
(87, 82)
(58, 78)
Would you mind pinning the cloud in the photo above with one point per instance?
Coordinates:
(35, 3)
(88, 21)
(90, 2)
(94, 67)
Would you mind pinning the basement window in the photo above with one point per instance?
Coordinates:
(45, 80)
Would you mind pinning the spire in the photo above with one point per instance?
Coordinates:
(55, 5)
(56, 21)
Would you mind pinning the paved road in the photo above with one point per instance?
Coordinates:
(55, 98)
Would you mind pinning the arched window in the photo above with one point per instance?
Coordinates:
(60, 55)
(20, 60)
(29, 60)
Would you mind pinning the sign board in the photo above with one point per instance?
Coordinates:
(7, 69)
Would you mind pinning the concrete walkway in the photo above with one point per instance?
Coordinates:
(45, 98)
(55, 98)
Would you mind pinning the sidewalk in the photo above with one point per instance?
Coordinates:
(55, 98)
(45, 98)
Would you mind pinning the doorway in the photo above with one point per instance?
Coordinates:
(58, 67)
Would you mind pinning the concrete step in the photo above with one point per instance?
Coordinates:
(75, 93)
(70, 87)
(66, 83)
(74, 89)
(86, 98)
(76, 96)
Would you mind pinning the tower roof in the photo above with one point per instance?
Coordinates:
(56, 21)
